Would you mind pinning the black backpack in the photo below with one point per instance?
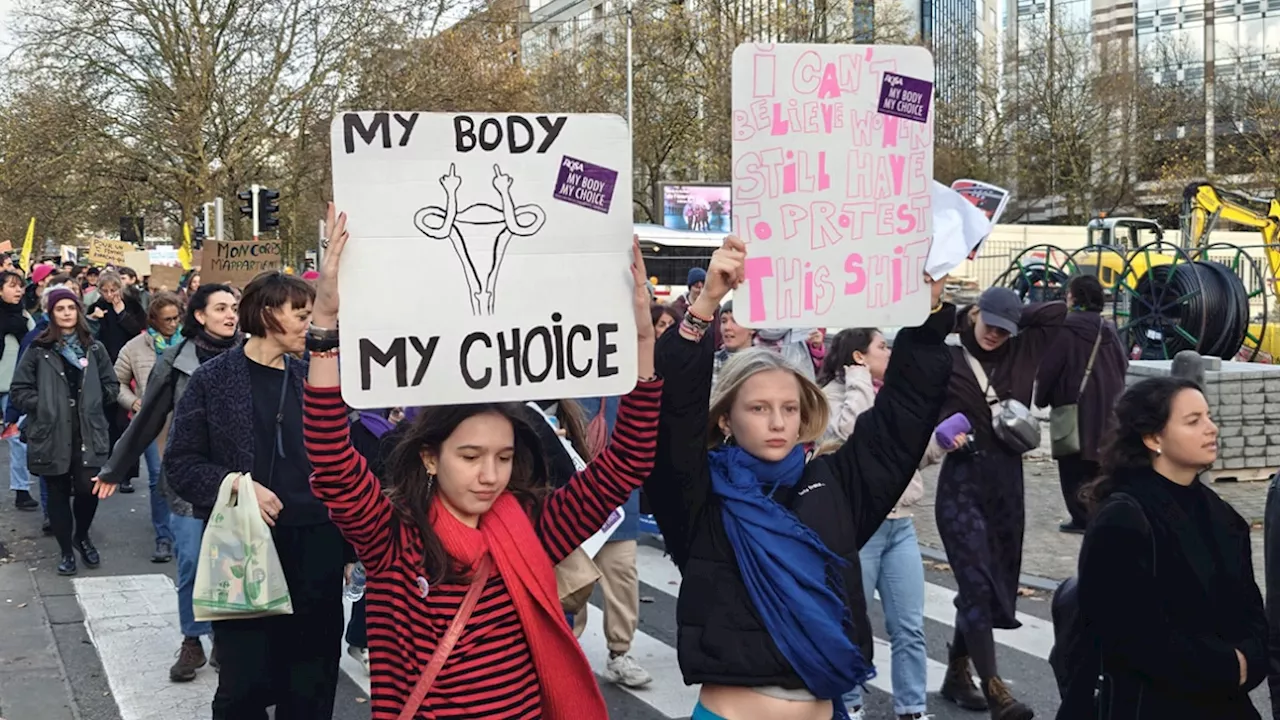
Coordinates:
(1073, 650)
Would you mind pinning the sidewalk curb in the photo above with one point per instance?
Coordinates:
(1032, 581)
(30, 662)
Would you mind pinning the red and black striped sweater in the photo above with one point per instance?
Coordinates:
(490, 673)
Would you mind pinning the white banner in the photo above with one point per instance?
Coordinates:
(832, 183)
(489, 257)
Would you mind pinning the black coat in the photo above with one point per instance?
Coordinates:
(1164, 614)
(1062, 369)
(41, 391)
(843, 496)
(1271, 544)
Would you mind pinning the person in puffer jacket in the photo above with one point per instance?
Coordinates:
(851, 374)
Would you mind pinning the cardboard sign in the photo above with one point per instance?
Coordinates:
(108, 252)
(236, 263)
(165, 277)
(832, 184)
(138, 260)
(523, 223)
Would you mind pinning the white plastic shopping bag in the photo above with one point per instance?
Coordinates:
(239, 575)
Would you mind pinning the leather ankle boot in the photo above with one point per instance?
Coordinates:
(1002, 704)
(958, 686)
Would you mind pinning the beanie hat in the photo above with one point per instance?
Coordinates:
(696, 275)
(58, 294)
(40, 272)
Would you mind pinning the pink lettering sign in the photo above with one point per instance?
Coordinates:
(831, 193)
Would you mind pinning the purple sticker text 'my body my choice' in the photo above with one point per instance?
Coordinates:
(585, 185)
(905, 97)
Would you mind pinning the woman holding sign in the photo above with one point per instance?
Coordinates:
(772, 614)
(460, 554)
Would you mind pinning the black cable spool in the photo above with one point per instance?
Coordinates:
(1188, 297)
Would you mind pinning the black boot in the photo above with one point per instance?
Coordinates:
(68, 565)
(958, 685)
(88, 552)
(126, 487)
(1002, 703)
(24, 501)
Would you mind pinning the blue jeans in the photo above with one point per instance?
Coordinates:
(188, 532)
(891, 563)
(159, 506)
(19, 476)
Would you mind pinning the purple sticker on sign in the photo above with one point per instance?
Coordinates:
(585, 185)
(905, 97)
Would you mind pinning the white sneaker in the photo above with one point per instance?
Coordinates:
(626, 671)
(361, 655)
(857, 714)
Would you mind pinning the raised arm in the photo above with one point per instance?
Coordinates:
(685, 358)
(890, 439)
(341, 478)
(576, 511)
(859, 396)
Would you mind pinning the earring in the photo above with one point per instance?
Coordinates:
(728, 438)
(1159, 451)
(431, 480)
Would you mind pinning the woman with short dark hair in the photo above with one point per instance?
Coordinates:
(1085, 366)
(242, 413)
(1173, 619)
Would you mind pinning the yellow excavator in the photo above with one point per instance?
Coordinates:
(1203, 207)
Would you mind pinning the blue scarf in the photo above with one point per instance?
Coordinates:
(71, 349)
(791, 576)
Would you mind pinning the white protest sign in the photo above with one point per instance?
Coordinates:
(959, 228)
(832, 183)
(489, 257)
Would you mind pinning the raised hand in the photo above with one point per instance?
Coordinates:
(640, 295)
(326, 305)
(451, 182)
(501, 181)
(727, 269)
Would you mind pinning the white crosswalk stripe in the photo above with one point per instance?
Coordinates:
(132, 621)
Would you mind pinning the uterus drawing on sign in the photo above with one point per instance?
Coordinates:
(480, 233)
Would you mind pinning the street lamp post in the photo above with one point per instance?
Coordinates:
(630, 97)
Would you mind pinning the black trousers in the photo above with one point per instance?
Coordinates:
(72, 506)
(290, 661)
(357, 631)
(1074, 472)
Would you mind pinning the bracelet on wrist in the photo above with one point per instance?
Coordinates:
(691, 313)
(316, 331)
(692, 330)
(323, 354)
(322, 344)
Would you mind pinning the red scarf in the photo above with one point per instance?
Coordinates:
(568, 686)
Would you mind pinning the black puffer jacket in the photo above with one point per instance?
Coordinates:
(844, 497)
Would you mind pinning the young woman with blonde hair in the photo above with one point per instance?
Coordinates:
(772, 617)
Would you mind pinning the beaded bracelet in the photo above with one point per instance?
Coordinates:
(691, 330)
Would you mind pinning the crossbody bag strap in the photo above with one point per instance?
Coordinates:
(445, 647)
(981, 376)
(1088, 369)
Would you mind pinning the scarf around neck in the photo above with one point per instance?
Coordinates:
(72, 351)
(791, 576)
(210, 346)
(566, 683)
(160, 343)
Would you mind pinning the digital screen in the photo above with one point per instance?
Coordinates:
(697, 208)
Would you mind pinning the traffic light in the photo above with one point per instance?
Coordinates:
(198, 232)
(268, 206)
(246, 203)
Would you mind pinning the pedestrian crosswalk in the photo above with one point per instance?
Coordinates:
(132, 622)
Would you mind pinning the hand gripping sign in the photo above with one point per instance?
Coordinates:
(489, 257)
(832, 183)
